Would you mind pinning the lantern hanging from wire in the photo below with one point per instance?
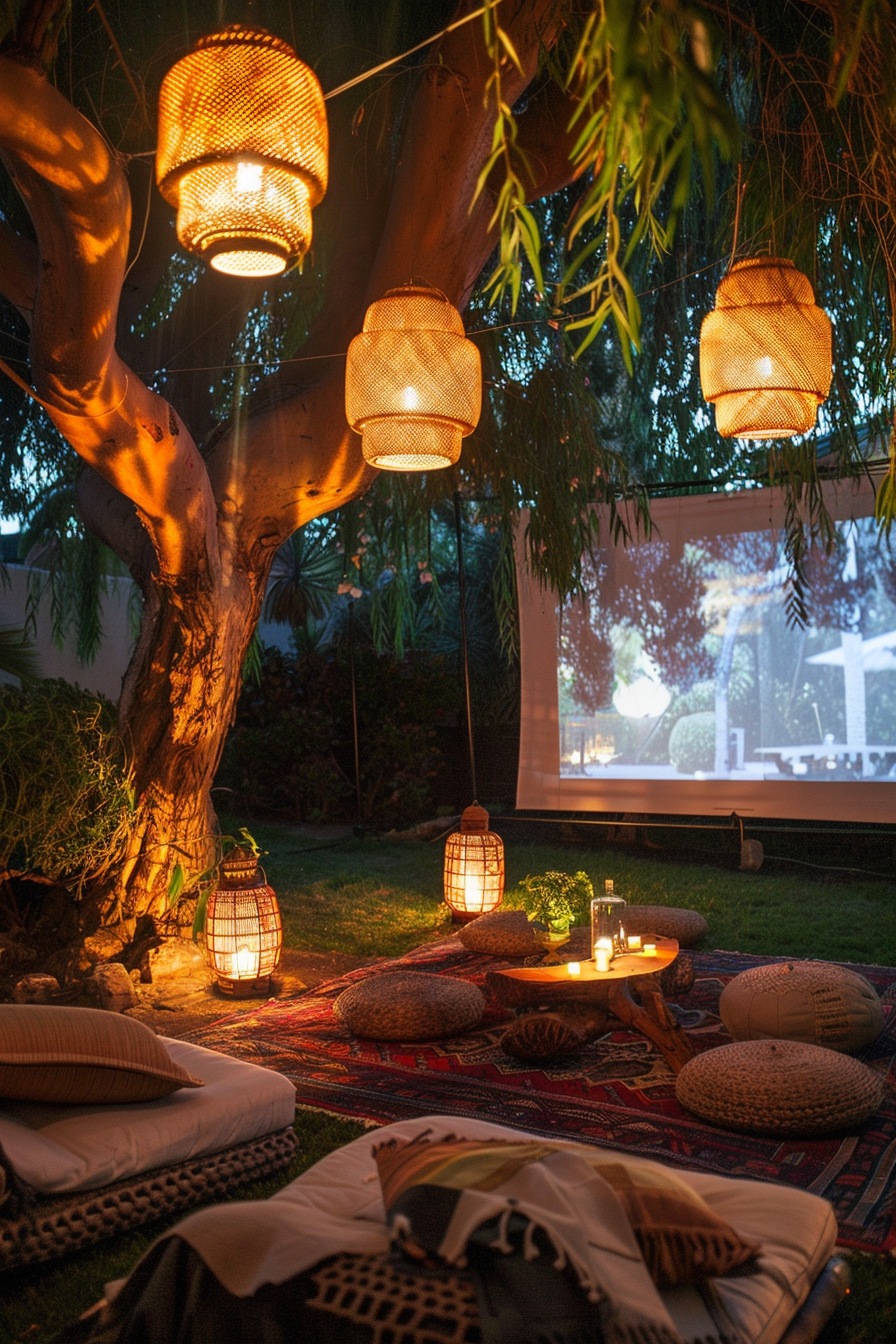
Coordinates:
(413, 382)
(474, 867)
(242, 151)
(243, 929)
(765, 351)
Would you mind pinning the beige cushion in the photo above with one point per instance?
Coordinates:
(61, 1149)
(779, 1087)
(409, 1006)
(82, 1056)
(687, 927)
(501, 933)
(808, 1001)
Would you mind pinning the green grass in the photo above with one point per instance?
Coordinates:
(375, 897)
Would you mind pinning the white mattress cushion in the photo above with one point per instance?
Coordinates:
(337, 1204)
(58, 1149)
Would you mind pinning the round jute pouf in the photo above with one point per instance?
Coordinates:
(808, 1001)
(501, 933)
(409, 1006)
(779, 1087)
(687, 927)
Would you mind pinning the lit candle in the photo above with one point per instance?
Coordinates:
(634, 942)
(574, 968)
(601, 959)
(606, 944)
(649, 949)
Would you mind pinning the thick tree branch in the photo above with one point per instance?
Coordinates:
(18, 270)
(79, 204)
(113, 518)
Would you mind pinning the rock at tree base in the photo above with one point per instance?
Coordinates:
(36, 988)
(113, 988)
(178, 972)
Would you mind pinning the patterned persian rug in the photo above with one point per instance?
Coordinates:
(617, 1093)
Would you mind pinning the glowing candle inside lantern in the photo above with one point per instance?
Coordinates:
(410, 399)
(246, 962)
(248, 177)
(601, 959)
(634, 942)
(574, 968)
(474, 895)
(764, 367)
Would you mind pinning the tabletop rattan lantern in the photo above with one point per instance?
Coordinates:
(242, 151)
(413, 382)
(243, 929)
(474, 867)
(765, 351)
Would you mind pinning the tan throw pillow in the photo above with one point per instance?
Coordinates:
(82, 1056)
(681, 1239)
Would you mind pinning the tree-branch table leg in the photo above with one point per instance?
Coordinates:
(652, 1018)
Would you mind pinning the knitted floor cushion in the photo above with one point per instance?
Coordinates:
(810, 1001)
(501, 933)
(55, 1226)
(779, 1087)
(687, 927)
(409, 1006)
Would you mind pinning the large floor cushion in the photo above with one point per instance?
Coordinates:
(409, 1006)
(687, 927)
(779, 1087)
(810, 1001)
(338, 1202)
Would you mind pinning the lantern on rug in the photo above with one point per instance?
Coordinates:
(413, 382)
(242, 151)
(243, 929)
(765, 351)
(474, 867)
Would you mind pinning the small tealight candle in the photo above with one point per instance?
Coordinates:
(601, 959)
(649, 950)
(574, 967)
(606, 944)
(634, 942)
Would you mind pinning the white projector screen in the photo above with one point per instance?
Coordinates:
(678, 686)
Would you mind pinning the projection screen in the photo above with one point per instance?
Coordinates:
(682, 685)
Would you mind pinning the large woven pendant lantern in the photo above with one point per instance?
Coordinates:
(413, 382)
(474, 867)
(242, 151)
(765, 351)
(243, 929)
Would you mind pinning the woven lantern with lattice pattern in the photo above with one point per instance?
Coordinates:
(765, 351)
(413, 382)
(242, 151)
(243, 929)
(474, 867)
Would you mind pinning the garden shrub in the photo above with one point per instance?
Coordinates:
(290, 753)
(66, 801)
(692, 743)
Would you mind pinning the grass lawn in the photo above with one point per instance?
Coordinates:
(375, 897)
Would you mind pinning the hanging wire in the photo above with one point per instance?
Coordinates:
(462, 598)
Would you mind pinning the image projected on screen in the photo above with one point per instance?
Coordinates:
(682, 664)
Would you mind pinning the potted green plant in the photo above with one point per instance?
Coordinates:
(554, 900)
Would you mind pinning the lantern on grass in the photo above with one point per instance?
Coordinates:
(242, 151)
(413, 382)
(474, 867)
(243, 929)
(765, 351)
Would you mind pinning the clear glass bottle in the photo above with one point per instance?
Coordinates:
(607, 919)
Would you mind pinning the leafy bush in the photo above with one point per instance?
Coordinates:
(291, 751)
(692, 743)
(66, 801)
(558, 898)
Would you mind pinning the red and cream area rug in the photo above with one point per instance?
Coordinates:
(616, 1093)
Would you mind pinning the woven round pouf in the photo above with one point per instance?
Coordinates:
(779, 1087)
(809, 1001)
(409, 1006)
(501, 933)
(687, 927)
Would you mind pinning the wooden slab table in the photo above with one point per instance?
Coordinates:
(553, 987)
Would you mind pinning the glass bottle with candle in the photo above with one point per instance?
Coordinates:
(607, 916)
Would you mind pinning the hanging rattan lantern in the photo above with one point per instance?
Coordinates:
(765, 351)
(474, 867)
(242, 151)
(413, 382)
(243, 930)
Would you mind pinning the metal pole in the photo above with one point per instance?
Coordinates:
(359, 827)
(462, 595)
